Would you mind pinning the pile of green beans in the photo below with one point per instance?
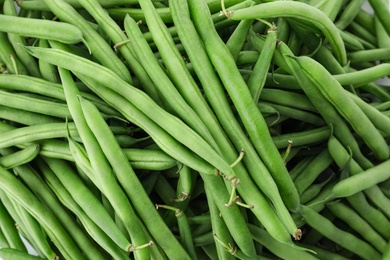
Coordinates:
(194, 129)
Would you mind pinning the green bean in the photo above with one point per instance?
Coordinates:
(349, 13)
(259, 73)
(366, 19)
(122, 169)
(331, 9)
(48, 71)
(306, 13)
(312, 191)
(9, 230)
(358, 224)
(380, 31)
(246, 107)
(181, 104)
(18, 42)
(369, 55)
(14, 254)
(117, 35)
(8, 57)
(341, 158)
(343, 238)
(100, 165)
(297, 114)
(26, 117)
(321, 162)
(65, 197)
(380, 121)
(219, 227)
(376, 90)
(97, 46)
(362, 180)
(335, 94)
(138, 14)
(307, 137)
(35, 233)
(363, 34)
(33, 104)
(45, 88)
(351, 41)
(277, 248)
(238, 37)
(184, 230)
(381, 11)
(20, 157)
(142, 101)
(48, 221)
(38, 28)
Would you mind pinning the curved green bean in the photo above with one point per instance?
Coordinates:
(299, 11)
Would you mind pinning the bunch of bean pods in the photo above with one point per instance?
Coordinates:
(194, 129)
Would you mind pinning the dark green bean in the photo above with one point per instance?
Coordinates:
(303, 138)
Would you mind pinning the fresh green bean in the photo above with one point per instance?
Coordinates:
(337, 96)
(35, 233)
(312, 191)
(8, 228)
(303, 138)
(48, 221)
(369, 55)
(238, 37)
(348, 14)
(14, 254)
(138, 14)
(381, 11)
(65, 197)
(363, 34)
(259, 73)
(246, 107)
(277, 248)
(19, 41)
(97, 46)
(42, 29)
(307, 14)
(20, 157)
(48, 71)
(8, 57)
(357, 223)
(343, 238)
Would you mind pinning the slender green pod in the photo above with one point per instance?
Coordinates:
(343, 238)
(246, 107)
(9, 230)
(97, 46)
(173, 125)
(48, 71)
(42, 29)
(19, 41)
(8, 57)
(35, 232)
(238, 38)
(122, 168)
(65, 197)
(220, 104)
(357, 223)
(16, 190)
(308, 15)
(258, 76)
(20, 157)
(337, 96)
(14, 254)
(362, 181)
(348, 14)
(381, 11)
(303, 138)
